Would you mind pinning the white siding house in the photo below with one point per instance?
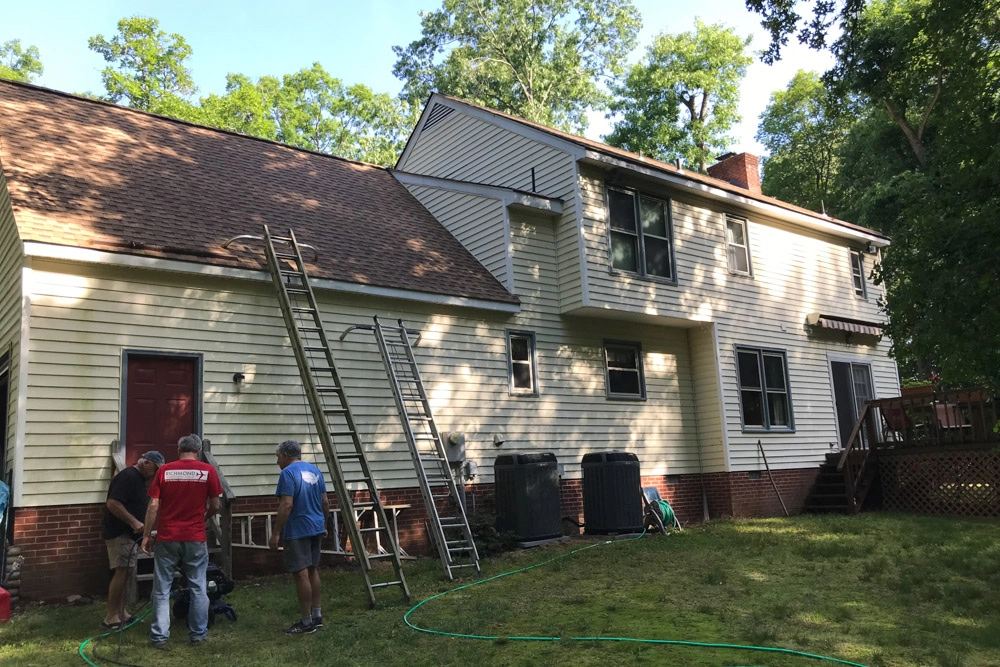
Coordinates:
(492, 237)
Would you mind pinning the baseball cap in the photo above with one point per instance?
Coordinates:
(154, 457)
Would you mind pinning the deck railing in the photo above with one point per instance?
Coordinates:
(962, 417)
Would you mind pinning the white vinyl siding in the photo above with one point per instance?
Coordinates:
(11, 266)
(466, 148)
(705, 376)
(83, 316)
(479, 223)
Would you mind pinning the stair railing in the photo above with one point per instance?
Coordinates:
(855, 462)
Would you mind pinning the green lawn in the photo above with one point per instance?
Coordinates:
(875, 589)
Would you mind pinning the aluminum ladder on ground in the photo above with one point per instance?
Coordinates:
(448, 523)
(335, 425)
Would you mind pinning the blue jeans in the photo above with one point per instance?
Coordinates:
(191, 558)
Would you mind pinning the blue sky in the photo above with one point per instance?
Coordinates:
(353, 41)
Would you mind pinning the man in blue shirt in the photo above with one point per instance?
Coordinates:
(303, 508)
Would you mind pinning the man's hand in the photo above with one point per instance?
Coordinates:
(147, 545)
(137, 527)
(274, 541)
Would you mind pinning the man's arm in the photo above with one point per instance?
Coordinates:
(151, 513)
(119, 511)
(326, 512)
(284, 509)
(214, 504)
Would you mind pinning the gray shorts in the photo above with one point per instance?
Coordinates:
(302, 553)
(122, 551)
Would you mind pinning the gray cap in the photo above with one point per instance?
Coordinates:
(154, 457)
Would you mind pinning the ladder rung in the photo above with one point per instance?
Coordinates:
(371, 530)
(285, 255)
(335, 411)
(281, 239)
(365, 504)
(292, 290)
(309, 329)
(384, 584)
(329, 389)
(322, 369)
(455, 567)
(295, 274)
(337, 434)
(459, 550)
(303, 309)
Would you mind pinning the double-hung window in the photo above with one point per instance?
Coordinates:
(522, 363)
(641, 235)
(858, 274)
(737, 246)
(623, 368)
(765, 399)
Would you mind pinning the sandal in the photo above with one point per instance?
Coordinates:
(111, 627)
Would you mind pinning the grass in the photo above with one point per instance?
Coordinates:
(877, 589)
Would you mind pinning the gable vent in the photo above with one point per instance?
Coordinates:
(438, 113)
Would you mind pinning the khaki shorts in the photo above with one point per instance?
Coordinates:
(123, 551)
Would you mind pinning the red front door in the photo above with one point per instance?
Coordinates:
(160, 405)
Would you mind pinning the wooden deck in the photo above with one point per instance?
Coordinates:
(929, 453)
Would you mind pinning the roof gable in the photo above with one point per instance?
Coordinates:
(94, 175)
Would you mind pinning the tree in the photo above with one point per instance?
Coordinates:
(147, 68)
(19, 64)
(803, 130)
(682, 101)
(312, 109)
(780, 18)
(542, 60)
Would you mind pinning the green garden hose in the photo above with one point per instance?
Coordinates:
(674, 642)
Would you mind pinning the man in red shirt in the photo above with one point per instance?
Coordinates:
(182, 497)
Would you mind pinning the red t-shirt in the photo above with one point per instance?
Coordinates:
(183, 488)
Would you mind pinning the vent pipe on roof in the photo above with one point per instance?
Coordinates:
(533, 180)
(680, 164)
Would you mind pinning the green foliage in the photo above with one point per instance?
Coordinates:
(802, 129)
(19, 64)
(489, 540)
(682, 101)
(146, 68)
(312, 109)
(541, 60)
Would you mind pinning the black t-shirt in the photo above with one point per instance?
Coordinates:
(129, 488)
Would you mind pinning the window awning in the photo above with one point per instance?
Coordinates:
(824, 321)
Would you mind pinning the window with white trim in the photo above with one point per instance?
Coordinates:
(858, 273)
(640, 234)
(623, 370)
(737, 245)
(522, 363)
(765, 398)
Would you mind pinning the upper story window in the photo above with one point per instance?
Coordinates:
(641, 235)
(858, 273)
(765, 399)
(623, 367)
(522, 363)
(737, 245)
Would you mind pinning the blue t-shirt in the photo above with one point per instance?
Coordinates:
(304, 483)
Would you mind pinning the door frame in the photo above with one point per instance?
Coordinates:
(199, 364)
(846, 359)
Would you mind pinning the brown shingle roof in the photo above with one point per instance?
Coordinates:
(667, 167)
(94, 175)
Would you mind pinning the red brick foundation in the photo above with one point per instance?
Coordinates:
(64, 553)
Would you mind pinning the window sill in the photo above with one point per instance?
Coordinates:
(618, 273)
(523, 394)
(757, 429)
(625, 397)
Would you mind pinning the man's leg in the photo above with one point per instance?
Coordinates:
(195, 563)
(303, 590)
(315, 588)
(165, 558)
(116, 596)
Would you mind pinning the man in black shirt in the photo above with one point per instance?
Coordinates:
(121, 527)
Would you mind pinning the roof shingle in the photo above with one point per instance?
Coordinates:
(90, 174)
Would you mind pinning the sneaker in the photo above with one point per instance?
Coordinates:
(160, 646)
(299, 628)
(318, 622)
(197, 642)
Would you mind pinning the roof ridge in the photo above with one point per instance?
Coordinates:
(654, 163)
(181, 121)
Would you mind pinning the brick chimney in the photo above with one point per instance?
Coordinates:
(742, 170)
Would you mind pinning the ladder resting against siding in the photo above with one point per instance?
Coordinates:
(335, 425)
(446, 518)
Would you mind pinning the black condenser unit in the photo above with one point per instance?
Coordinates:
(527, 495)
(612, 493)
